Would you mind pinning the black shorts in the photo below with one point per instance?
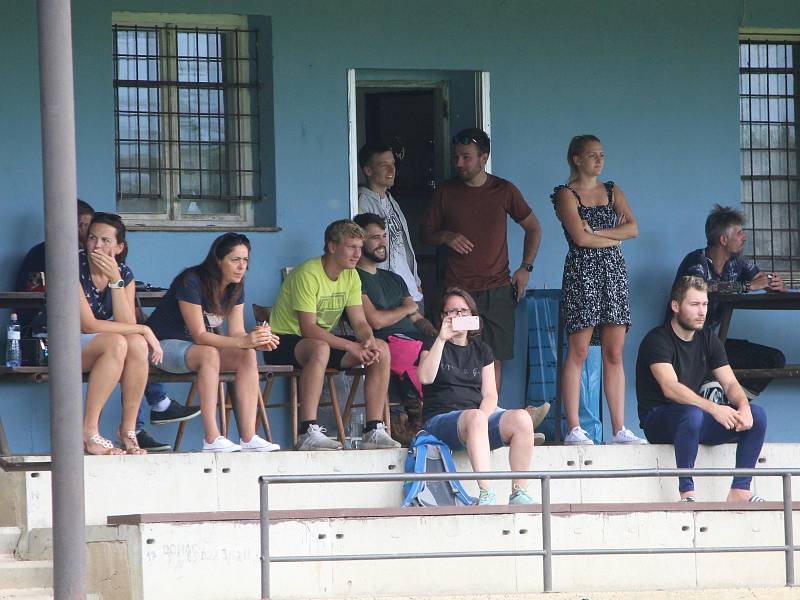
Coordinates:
(496, 308)
(284, 353)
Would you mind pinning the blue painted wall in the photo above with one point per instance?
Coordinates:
(658, 82)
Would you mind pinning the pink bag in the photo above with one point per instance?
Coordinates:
(404, 353)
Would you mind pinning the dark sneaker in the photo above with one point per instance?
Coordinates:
(175, 413)
(146, 442)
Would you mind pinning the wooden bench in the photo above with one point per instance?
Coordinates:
(787, 372)
(225, 404)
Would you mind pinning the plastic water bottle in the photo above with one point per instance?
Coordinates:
(13, 350)
(355, 429)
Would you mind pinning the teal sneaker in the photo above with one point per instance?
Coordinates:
(487, 498)
(520, 496)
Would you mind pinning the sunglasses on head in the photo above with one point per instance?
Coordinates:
(465, 140)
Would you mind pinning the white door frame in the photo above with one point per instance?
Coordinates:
(481, 110)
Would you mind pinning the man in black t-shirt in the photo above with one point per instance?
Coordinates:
(395, 318)
(674, 361)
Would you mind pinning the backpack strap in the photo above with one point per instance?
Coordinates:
(450, 467)
(420, 455)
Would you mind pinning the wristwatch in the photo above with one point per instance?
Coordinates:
(527, 266)
(116, 284)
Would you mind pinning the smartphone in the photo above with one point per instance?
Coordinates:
(466, 323)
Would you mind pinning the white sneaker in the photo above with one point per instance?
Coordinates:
(258, 444)
(378, 438)
(221, 444)
(578, 437)
(315, 439)
(626, 436)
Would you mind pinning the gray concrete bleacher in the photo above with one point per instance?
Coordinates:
(194, 524)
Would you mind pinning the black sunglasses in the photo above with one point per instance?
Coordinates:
(464, 140)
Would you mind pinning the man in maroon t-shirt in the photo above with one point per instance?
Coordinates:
(468, 215)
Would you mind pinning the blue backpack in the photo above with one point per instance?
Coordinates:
(428, 454)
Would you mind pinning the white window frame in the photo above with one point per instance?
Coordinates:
(170, 184)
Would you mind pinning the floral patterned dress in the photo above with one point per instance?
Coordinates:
(595, 284)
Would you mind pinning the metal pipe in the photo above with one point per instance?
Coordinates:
(547, 538)
(547, 551)
(506, 553)
(788, 532)
(264, 499)
(503, 475)
(61, 235)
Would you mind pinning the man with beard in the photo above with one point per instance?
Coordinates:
(394, 316)
(672, 365)
(468, 215)
(388, 303)
(721, 264)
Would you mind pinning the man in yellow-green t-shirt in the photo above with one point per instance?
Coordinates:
(310, 303)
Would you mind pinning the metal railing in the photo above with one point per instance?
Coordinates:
(547, 552)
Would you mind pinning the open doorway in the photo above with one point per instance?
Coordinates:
(415, 112)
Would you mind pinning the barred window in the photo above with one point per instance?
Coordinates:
(769, 88)
(187, 125)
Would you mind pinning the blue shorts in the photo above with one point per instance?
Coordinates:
(174, 356)
(445, 427)
(86, 338)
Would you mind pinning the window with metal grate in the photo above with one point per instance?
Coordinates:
(769, 88)
(187, 124)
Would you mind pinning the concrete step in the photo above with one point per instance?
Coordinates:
(9, 537)
(190, 554)
(15, 574)
(198, 482)
(36, 594)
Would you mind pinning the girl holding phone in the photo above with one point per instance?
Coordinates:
(460, 398)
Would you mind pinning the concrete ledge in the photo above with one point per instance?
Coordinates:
(192, 554)
(776, 593)
(418, 511)
(198, 482)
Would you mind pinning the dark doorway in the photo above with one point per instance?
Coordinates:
(405, 119)
(415, 112)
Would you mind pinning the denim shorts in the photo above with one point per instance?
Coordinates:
(175, 356)
(445, 427)
(86, 338)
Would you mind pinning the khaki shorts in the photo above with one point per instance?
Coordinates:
(496, 308)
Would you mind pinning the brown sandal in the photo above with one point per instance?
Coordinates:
(106, 447)
(130, 443)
